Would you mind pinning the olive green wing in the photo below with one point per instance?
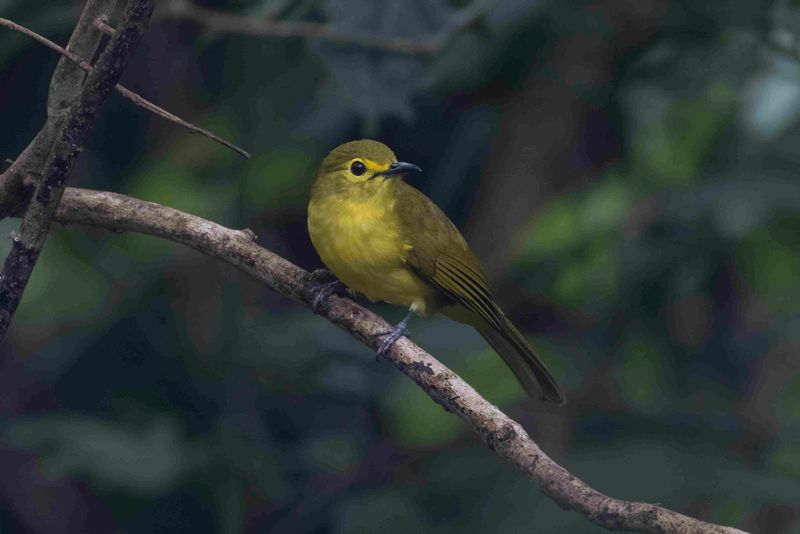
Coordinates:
(439, 255)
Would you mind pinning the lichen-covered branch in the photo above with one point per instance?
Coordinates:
(504, 436)
(69, 140)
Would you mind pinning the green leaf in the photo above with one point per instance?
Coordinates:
(787, 460)
(414, 418)
(771, 267)
(277, 180)
(486, 372)
(375, 83)
(332, 453)
(671, 149)
(179, 187)
(64, 286)
(790, 398)
(642, 375)
(555, 230)
(379, 512)
(143, 461)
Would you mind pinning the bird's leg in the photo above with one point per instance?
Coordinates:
(323, 285)
(399, 330)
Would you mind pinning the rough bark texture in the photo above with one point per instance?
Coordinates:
(65, 86)
(48, 162)
(70, 138)
(504, 436)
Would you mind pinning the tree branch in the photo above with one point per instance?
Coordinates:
(20, 178)
(220, 21)
(69, 141)
(504, 436)
(136, 98)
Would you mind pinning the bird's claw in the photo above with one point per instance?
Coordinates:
(391, 338)
(320, 292)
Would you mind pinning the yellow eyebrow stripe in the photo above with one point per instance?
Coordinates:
(374, 166)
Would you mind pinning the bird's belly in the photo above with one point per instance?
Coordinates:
(367, 256)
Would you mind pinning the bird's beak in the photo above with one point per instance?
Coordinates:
(398, 168)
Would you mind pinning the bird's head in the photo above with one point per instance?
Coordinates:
(360, 164)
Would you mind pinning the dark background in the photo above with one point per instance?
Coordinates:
(626, 169)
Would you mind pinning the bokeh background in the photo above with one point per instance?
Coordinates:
(627, 170)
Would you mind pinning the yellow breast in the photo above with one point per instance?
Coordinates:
(361, 242)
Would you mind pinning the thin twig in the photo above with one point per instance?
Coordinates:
(65, 86)
(221, 21)
(127, 93)
(69, 141)
(10, 24)
(504, 436)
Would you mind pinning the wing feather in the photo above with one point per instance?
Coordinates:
(462, 285)
(438, 254)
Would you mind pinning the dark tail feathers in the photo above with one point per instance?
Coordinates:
(523, 361)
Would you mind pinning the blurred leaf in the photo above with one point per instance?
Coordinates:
(486, 372)
(790, 399)
(589, 278)
(181, 188)
(380, 512)
(606, 205)
(772, 100)
(737, 212)
(250, 454)
(283, 348)
(64, 286)
(143, 249)
(464, 467)
(579, 234)
(143, 461)
(671, 149)
(555, 230)
(567, 222)
(376, 83)
(202, 156)
(507, 16)
(731, 512)
(684, 468)
(36, 17)
(276, 180)
(230, 503)
(787, 460)
(642, 375)
(418, 19)
(771, 268)
(455, 66)
(332, 453)
(414, 419)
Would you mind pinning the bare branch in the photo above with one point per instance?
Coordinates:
(10, 24)
(164, 114)
(221, 21)
(504, 436)
(69, 141)
(127, 93)
(67, 79)
(65, 85)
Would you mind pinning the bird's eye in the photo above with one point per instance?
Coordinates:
(358, 168)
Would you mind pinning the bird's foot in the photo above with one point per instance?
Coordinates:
(323, 285)
(399, 330)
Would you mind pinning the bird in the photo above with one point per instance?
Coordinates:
(383, 238)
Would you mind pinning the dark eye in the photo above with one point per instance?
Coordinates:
(358, 168)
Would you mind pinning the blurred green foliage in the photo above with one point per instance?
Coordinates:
(150, 389)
